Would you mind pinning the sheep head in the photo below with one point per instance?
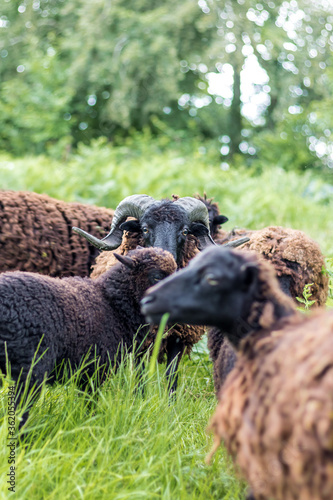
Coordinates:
(210, 291)
(147, 266)
(165, 224)
(221, 288)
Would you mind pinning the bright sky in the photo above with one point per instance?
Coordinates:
(220, 84)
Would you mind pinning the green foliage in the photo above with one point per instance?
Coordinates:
(306, 296)
(94, 68)
(33, 107)
(105, 173)
(120, 444)
(329, 270)
(79, 70)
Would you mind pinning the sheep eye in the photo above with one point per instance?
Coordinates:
(145, 230)
(185, 232)
(210, 279)
(156, 277)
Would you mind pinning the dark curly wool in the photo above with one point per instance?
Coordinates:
(181, 338)
(222, 355)
(165, 211)
(36, 234)
(76, 314)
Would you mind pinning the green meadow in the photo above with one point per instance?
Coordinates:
(120, 443)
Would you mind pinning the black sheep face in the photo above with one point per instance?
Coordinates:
(166, 226)
(216, 289)
(148, 267)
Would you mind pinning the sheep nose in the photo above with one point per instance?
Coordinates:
(147, 300)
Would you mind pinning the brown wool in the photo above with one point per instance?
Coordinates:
(292, 253)
(36, 234)
(275, 410)
(188, 334)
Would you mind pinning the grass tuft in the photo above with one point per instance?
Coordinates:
(120, 443)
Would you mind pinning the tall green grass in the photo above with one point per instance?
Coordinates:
(120, 443)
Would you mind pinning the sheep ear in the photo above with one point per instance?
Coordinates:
(202, 234)
(220, 219)
(124, 260)
(249, 274)
(132, 226)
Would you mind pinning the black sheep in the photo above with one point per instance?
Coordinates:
(71, 316)
(275, 409)
(180, 226)
(297, 259)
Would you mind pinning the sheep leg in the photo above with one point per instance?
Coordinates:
(175, 349)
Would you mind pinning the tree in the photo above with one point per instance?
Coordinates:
(292, 41)
(72, 71)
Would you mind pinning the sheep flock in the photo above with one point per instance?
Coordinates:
(79, 281)
(275, 409)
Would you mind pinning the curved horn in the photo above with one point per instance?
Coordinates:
(196, 210)
(236, 243)
(131, 206)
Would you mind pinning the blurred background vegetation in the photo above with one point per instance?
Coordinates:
(255, 78)
(103, 99)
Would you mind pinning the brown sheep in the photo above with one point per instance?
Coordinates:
(36, 234)
(275, 410)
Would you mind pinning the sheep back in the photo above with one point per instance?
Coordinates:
(36, 235)
(295, 257)
(275, 411)
(64, 314)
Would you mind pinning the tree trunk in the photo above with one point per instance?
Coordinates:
(235, 117)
